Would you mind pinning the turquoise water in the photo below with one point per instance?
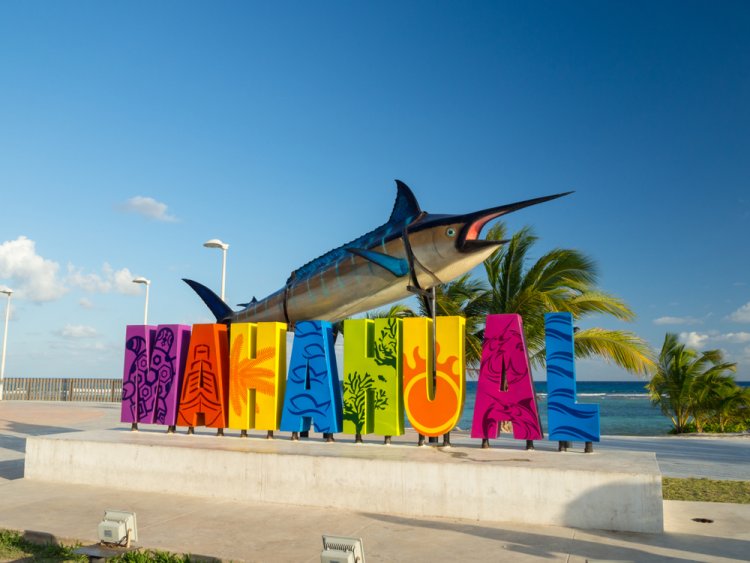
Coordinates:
(624, 407)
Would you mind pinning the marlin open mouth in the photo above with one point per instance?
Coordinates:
(468, 239)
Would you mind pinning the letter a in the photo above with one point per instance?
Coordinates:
(205, 383)
(313, 391)
(505, 390)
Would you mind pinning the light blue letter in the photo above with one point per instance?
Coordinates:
(566, 418)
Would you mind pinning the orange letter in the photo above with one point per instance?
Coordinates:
(204, 386)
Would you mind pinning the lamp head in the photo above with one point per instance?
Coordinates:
(215, 243)
(142, 280)
(6, 290)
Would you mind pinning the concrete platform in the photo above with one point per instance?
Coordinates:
(605, 490)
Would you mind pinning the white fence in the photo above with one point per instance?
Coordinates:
(83, 389)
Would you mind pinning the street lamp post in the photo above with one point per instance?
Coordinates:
(216, 243)
(7, 292)
(147, 283)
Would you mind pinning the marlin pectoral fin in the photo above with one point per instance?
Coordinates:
(397, 266)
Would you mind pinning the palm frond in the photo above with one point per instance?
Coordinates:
(623, 348)
(398, 310)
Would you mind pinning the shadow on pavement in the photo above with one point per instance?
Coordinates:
(13, 438)
(543, 545)
(35, 429)
(11, 469)
(711, 546)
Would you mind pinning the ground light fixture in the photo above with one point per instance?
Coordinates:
(339, 549)
(118, 528)
(216, 243)
(8, 292)
(147, 283)
(116, 532)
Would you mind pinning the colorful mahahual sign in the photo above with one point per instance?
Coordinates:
(232, 374)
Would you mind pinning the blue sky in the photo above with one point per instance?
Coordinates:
(131, 132)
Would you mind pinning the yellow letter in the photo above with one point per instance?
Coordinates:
(434, 409)
(257, 375)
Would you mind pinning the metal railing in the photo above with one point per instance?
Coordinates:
(82, 389)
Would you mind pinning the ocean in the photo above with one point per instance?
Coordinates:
(624, 407)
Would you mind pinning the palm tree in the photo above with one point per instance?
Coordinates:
(710, 391)
(561, 280)
(734, 406)
(398, 310)
(682, 376)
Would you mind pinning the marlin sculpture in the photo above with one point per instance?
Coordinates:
(414, 250)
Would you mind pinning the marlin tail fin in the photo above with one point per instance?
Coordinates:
(221, 310)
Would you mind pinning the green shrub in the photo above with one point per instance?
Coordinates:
(13, 546)
(150, 555)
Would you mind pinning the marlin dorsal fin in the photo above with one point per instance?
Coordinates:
(406, 207)
(253, 301)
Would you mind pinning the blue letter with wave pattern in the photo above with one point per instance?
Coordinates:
(567, 419)
(313, 392)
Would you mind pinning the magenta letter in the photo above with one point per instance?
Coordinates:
(505, 390)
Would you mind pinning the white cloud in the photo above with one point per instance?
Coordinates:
(36, 278)
(694, 339)
(86, 303)
(149, 208)
(119, 281)
(703, 339)
(122, 282)
(78, 331)
(77, 347)
(677, 321)
(92, 283)
(30, 275)
(741, 315)
(734, 337)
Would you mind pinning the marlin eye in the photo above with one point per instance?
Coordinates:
(450, 231)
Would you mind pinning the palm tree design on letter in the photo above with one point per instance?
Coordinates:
(357, 387)
(252, 373)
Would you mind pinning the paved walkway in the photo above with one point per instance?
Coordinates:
(264, 532)
(713, 457)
